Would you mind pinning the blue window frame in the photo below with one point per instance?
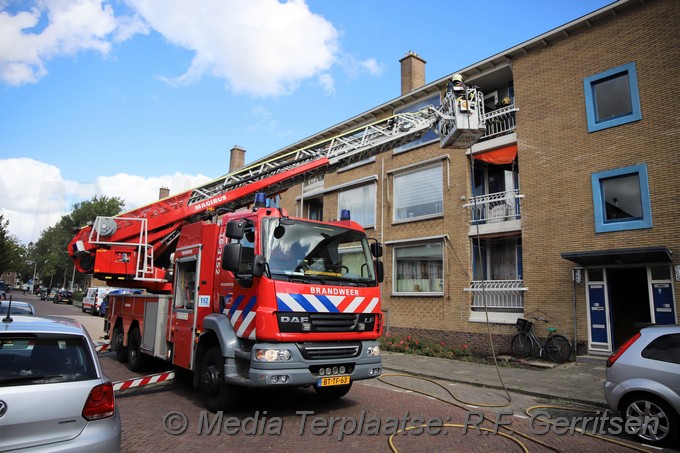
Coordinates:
(621, 199)
(612, 98)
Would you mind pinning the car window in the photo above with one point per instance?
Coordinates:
(15, 310)
(666, 348)
(44, 359)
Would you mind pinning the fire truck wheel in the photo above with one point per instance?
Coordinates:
(136, 360)
(332, 393)
(217, 394)
(121, 351)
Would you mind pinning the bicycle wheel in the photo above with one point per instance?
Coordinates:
(521, 345)
(558, 348)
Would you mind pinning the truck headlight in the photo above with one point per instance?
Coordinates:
(373, 351)
(272, 355)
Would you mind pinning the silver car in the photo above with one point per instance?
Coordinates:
(53, 394)
(643, 383)
(18, 308)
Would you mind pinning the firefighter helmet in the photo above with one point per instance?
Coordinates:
(457, 78)
(505, 101)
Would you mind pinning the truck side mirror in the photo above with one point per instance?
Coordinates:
(236, 229)
(376, 249)
(379, 271)
(259, 264)
(231, 257)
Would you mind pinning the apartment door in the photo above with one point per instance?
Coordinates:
(629, 301)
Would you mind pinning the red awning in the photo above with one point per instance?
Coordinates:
(499, 156)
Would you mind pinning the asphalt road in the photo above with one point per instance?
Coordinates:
(170, 417)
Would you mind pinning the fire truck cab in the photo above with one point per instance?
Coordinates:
(278, 301)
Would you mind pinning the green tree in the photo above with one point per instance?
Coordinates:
(50, 250)
(12, 253)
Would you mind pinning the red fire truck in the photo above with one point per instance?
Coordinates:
(242, 294)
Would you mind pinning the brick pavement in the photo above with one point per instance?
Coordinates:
(279, 418)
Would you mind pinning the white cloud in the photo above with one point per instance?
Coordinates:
(72, 26)
(260, 47)
(31, 208)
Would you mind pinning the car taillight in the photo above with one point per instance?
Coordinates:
(100, 402)
(615, 356)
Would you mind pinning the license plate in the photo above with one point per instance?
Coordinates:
(333, 380)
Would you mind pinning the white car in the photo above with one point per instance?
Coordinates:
(94, 297)
(54, 395)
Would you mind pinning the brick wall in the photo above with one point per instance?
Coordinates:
(556, 156)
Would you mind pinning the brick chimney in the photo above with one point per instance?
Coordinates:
(412, 72)
(164, 192)
(237, 159)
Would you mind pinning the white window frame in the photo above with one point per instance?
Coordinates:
(396, 245)
(412, 171)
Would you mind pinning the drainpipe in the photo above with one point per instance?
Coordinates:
(576, 277)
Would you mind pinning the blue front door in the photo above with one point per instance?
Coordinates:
(664, 306)
(599, 322)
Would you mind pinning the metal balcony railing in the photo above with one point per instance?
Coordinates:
(498, 294)
(499, 122)
(495, 207)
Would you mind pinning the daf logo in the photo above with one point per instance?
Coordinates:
(294, 319)
(3, 408)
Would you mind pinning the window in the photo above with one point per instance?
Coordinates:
(361, 203)
(419, 269)
(430, 135)
(418, 193)
(612, 98)
(665, 348)
(621, 199)
(501, 259)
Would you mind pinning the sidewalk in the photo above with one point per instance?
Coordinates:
(580, 382)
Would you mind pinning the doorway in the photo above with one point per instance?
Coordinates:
(628, 302)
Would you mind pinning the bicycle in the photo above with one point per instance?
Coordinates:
(556, 347)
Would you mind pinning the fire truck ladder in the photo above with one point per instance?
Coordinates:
(339, 151)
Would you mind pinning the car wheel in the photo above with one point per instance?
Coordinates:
(217, 394)
(121, 351)
(660, 423)
(136, 359)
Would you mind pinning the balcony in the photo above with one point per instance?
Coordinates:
(499, 122)
(495, 212)
(500, 295)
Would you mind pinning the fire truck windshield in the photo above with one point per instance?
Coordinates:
(307, 250)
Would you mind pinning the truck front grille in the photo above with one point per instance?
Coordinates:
(325, 351)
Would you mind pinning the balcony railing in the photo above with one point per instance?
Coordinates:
(500, 295)
(500, 121)
(495, 207)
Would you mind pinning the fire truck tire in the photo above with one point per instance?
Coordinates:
(136, 359)
(121, 351)
(332, 393)
(217, 394)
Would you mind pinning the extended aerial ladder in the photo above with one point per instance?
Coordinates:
(133, 248)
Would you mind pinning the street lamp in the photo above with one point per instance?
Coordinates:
(35, 268)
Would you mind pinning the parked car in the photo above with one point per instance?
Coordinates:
(63, 296)
(47, 293)
(94, 297)
(55, 396)
(18, 308)
(643, 382)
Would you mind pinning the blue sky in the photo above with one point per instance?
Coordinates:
(121, 97)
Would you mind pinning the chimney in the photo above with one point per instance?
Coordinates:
(164, 192)
(237, 159)
(412, 72)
